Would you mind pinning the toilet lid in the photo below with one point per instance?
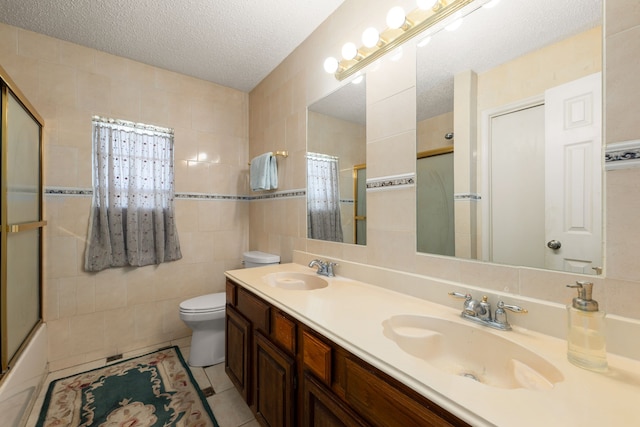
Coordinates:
(209, 302)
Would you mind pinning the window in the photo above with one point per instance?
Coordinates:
(132, 220)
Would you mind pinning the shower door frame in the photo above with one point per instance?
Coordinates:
(8, 88)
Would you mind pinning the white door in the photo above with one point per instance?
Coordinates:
(517, 187)
(573, 181)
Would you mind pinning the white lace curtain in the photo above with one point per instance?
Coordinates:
(323, 198)
(132, 220)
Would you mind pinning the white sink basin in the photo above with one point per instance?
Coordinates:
(294, 281)
(470, 351)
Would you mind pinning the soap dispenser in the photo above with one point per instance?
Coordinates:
(586, 339)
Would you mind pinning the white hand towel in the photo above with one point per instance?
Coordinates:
(263, 174)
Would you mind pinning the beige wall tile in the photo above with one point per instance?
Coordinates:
(623, 205)
(87, 333)
(37, 46)
(111, 289)
(392, 155)
(403, 70)
(625, 14)
(622, 86)
(391, 116)
(73, 55)
(58, 84)
(8, 40)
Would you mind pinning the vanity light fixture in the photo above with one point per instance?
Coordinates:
(426, 4)
(401, 27)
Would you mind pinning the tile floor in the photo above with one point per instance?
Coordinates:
(226, 403)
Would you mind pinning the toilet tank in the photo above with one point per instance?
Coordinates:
(259, 259)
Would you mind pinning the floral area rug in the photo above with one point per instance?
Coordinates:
(154, 390)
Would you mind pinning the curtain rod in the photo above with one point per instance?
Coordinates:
(141, 126)
(319, 156)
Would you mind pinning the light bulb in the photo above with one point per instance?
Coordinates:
(349, 51)
(491, 4)
(331, 65)
(454, 25)
(370, 37)
(426, 4)
(395, 17)
(359, 78)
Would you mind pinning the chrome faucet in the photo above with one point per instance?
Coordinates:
(480, 311)
(325, 268)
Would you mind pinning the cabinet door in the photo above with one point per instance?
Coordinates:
(323, 409)
(237, 354)
(383, 404)
(274, 388)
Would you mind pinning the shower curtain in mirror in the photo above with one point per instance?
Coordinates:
(132, 219)
(323, 198)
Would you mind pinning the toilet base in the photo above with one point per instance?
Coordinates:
(207, 348)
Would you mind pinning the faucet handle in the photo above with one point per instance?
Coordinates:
(459, 295)
(330, 266)
(500, 316)
(514, 308)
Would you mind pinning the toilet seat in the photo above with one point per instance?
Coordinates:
(209, 303)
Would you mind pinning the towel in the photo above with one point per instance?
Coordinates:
(263, 174)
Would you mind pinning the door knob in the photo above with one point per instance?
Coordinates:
(554, 244)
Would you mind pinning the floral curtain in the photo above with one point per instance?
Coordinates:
(132, 220)
(323, 198)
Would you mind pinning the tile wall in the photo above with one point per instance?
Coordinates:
(91, 316)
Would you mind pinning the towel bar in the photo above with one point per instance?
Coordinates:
(283, 153)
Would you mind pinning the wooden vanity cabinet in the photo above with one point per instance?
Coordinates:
(292, 376)
(237, 351)
(274, 385)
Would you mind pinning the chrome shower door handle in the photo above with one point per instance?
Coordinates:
(554, 244)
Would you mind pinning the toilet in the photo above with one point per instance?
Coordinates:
(259, 259)
(205, 316)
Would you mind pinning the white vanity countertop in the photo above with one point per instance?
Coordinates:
(351, 313)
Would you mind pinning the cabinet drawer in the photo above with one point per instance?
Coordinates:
(284, 332)
(232, 290)
(385, 405)
(254, 309)
(316, 356)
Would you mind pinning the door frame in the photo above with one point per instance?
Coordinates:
(485, 163)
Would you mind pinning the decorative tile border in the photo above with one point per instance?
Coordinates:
(622, 155)
(201, 196)
(88, 192)
(63, 191)
(474, 197)
(279, 195)
(391, 182)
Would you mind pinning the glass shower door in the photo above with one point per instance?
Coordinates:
(21, 225)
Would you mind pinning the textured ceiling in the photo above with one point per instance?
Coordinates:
(234, 43)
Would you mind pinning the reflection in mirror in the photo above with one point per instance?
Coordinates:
(336, 156)
(526, 126)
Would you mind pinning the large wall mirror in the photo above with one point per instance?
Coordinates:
(336, 166)
(509, 136)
